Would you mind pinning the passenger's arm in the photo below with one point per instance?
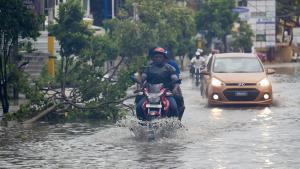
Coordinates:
(176, 81)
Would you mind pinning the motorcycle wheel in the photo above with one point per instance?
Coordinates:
(197, 79)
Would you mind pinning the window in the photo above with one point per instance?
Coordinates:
(260, 37)
(242, 2)
(237, 65)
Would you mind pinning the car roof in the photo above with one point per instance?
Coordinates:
(223, 55)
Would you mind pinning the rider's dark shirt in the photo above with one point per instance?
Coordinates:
(156, 74)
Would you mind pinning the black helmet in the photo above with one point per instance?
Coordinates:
(159, 50)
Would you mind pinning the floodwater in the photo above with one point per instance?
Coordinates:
(219, 138)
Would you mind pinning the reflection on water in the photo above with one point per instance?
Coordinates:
(158, 155)
(287, 74)
(216, 113)
(287, 70)
(265, 114)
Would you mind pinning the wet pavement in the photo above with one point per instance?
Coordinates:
(222, 137)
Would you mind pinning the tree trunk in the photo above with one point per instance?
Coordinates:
(224, 39)
(4, 98)
(292, 37)
(209, 43)
(6, 103)
(15, 62)
(182, 62)
(62, 82)
(283, 36)
(5, 50)
(67, 66)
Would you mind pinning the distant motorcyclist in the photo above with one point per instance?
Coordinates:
(158, 71)
(199, 60)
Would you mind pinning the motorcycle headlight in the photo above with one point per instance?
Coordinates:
(264, 83)
(216, 82)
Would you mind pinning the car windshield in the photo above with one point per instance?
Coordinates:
(237, 65)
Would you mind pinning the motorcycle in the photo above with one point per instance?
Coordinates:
(155, 107)
(199, 78)
(197, 73)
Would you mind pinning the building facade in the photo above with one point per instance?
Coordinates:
(261, 16)
(97, 10)
(36, 5)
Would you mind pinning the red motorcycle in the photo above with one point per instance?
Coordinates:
(155, 106)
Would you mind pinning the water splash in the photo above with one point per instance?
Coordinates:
(156, 129)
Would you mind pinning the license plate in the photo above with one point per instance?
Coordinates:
(241, 94)
(153, 113)
(153, 105)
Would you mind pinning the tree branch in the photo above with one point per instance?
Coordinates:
(42, 114)
(130, 107)
(99, 105)
(115, 68)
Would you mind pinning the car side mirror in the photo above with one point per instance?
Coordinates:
(270, 71)
(204, 72)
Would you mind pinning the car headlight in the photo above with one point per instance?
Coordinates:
(264, 83)
(216, 82)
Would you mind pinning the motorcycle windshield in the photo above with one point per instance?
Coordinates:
(154, 88)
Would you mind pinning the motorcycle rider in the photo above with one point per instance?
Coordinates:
(158, 71)
(198, 61)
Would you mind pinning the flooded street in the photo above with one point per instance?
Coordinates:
(219, 138)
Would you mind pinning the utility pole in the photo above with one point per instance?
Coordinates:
(51, 59)
(88, 8)
(135, 12)
(112, 9)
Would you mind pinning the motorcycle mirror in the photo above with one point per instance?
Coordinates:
(270, 71)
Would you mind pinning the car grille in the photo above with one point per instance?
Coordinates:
(240, 84)
(241, 94)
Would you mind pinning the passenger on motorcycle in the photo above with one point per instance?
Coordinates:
(158, 71)
(177, 91)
